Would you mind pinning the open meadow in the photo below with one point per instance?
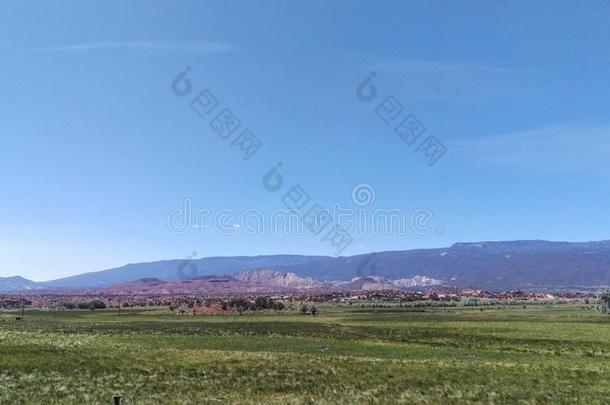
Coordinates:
(515, 354)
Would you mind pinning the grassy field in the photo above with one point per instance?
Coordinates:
(538, 354)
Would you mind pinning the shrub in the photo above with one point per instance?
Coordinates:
(95, 304)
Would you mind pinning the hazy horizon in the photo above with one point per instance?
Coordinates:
(197, 257)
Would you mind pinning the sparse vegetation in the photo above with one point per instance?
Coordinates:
(540, 354)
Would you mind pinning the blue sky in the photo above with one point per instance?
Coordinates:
(96, 149)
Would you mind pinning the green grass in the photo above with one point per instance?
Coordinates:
(540, 354)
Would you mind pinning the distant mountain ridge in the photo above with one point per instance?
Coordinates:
(257, 281)
(524, 264)
(200, 285)
(18, 283)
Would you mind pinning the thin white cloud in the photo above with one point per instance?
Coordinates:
(565, 149)
(189, 46)
(455, 81)
(441, 67)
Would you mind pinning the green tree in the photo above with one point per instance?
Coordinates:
(262, 302)
(603, 297)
